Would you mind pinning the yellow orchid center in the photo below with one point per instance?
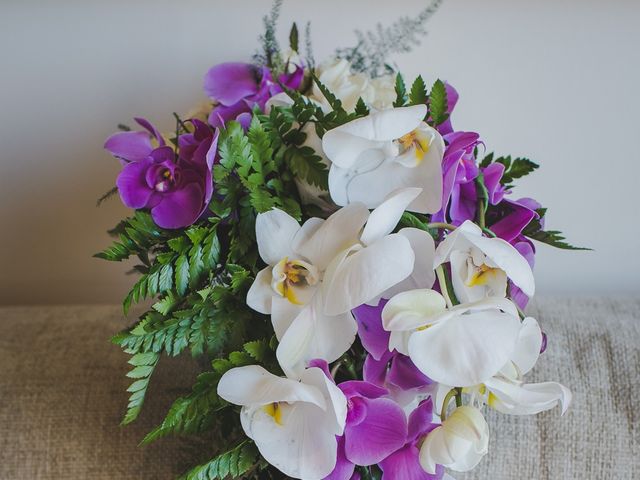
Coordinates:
(291, 277)
(417, 140)
(482, 275)
(274, 410)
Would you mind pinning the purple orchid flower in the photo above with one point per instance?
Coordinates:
(176, 190)
(459, 170)
(238, 87)
(404, 463)
(375, 428)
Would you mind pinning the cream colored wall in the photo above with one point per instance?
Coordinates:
(555, 80)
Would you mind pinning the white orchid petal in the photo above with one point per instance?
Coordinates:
(529, 398)
(282, 314)
(253, 385)
(456, 240)
(275, 230)
(373, 185)
(340, 231)
(336, 400)
(312, 334)
(459, 444)
(423, 275)
(386, 216)
(260, 294)
(412, 309)
(301, 447)
(507, 258)
(528, 347)
(358, 277)
(465, 350)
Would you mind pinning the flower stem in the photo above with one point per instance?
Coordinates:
(442, 281)
(452, 393)
(441, 226)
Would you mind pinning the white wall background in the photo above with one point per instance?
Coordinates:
(556, 80)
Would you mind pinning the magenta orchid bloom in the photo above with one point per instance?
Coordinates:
(375, 428)
(404, 463)
(238, 87)
(176, 190)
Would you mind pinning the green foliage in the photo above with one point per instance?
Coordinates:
(294, 38)
(136, 235)
(438, 103)
(233, 463)
(515, 168)
(143, 366)
(401, 91)
(554, 238)
(270, 55)
(200, 409)
(374, 48)
(418, 94)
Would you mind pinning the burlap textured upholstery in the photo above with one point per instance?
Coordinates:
(61, 403)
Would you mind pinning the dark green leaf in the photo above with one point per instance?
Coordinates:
(438, 103)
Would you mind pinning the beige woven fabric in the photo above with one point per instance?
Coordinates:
(60, 403)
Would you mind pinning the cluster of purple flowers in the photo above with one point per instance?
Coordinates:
(174, 180)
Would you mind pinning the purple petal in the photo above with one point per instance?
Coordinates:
(382, 432)
(463, 203)
(356, 410)
(322, 365)
(179, 208)
(344, 468)
(132, 184)
(131, 146)
(354, 388)
(375, 371)
(374, 338)
(228, 83)
(405, 464)
(492, 175)
(144, 123)
(512, 225)
(404, 374)
(293, 80)
(420, 420)
(222, 114)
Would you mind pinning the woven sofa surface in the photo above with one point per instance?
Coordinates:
(61, 401)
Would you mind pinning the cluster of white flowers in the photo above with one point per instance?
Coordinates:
(382, 165)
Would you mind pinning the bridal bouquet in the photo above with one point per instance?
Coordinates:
(350, 267)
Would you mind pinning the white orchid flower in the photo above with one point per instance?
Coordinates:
(349, 87)
(481, 266)
(507, 392)
(459, 443)
(374, 155)
(293, 423)
(318, 272)
(461, 346)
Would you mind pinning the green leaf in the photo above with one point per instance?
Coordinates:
(551, 237)
(259, 350)
(361, 108)
(418, 93)
(487, 160)
(182, 274)
(144, 366)
(401, 91)
(516, 168)
(231, 464)
(293, 38)
(438, 103)
(306, 164)
(165, 282)
(333, 101)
